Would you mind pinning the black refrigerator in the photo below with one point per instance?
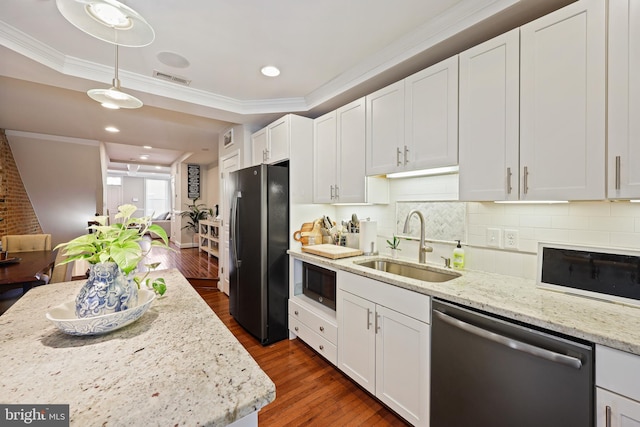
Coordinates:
(258, 244)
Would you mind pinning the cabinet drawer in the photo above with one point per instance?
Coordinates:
(328, 350)
(618, 371)
(412, 304)
(317, 324)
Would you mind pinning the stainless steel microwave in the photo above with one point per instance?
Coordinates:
(319, 284)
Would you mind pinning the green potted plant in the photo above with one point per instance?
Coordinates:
(393, 245)
(113, 253)
(194, 213)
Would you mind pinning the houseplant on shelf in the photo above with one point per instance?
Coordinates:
(113, 252)
(195, 212)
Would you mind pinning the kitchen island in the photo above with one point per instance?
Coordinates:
(177, 365)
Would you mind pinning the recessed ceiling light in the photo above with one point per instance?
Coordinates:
(147, 147)
(112, 129)
(144, 156)
(270, 71)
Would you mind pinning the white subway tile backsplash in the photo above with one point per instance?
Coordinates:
(588, 237)
(590, 209)
(570, 222)
(582, 223)
(536, 221)
(617, 224)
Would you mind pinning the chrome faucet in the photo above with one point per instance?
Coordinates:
(423, 249)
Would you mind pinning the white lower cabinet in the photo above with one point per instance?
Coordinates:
(318, 331)
(616, 411)
(384, 343)
(617, 388)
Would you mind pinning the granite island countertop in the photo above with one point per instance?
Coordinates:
(611, 324)
(177, 365)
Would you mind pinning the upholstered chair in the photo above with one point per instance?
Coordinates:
(26, 242)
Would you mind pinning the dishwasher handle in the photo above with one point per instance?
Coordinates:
(552, 356)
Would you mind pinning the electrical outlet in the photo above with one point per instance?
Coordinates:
(494, 237)
(511, 239)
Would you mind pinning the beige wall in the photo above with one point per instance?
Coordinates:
(63, 179)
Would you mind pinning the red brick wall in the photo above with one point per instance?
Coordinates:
(16, 211)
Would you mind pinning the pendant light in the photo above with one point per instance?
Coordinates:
(108, 20)
(114, 97)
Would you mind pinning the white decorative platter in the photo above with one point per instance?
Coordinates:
(64, 317)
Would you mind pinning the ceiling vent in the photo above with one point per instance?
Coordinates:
(171, 78)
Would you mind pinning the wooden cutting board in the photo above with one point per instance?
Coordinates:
(331, 251)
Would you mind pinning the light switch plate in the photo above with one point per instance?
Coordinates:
(511, 239)
(494, 237)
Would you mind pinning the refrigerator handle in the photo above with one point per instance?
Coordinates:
(234, 224)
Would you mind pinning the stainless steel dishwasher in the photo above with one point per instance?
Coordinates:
(490, 372)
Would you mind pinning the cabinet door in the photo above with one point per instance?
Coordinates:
(357, 339)
(624, 99)
(351, 146)
(402, 365)
(385, 130)
(614, 410)
(489, 121)
(431, 116)
(562, 116)
(278, 140)
(259, 147)
(324, 158)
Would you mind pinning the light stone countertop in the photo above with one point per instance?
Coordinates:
(176, 365)
(608, 323)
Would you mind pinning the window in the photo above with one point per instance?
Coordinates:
(157, 196)
(114, 180)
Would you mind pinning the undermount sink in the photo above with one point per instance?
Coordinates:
(426, 273)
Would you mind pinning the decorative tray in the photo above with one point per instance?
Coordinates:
(10, 260)
(64, 317)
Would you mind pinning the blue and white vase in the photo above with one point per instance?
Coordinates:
(108, 290)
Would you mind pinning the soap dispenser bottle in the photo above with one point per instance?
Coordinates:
(458, 257)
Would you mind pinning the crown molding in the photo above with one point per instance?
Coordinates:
(464, 15)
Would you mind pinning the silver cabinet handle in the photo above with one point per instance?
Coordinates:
(617, 172)
(525, 183)
(552, 356)
(406, 154)
(398, 153)
(332, 193)
(321, 347)
(377, 324)
(509, 187)
(321, 328)
(295, 312)
(368, 319)
(607, 416)
(295, 328)
(337, 192)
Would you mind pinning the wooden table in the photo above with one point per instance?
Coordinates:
(27, 272)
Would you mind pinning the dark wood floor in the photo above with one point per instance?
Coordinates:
(309, 390)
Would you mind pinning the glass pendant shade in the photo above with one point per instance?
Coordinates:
(114, 97)
(108, 20)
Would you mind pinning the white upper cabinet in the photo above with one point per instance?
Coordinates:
(272, 144)
(413, 124)
(259, 147)
(489, 119)
(431, 117)
(339, 164)
(624, 99)
(385, 130)
(562, 104)
(325, 168)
